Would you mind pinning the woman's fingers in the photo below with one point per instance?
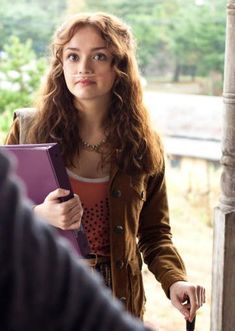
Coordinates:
(56, 194)
(64, 215)
(181, 291)
(201, 294)
(71, 213)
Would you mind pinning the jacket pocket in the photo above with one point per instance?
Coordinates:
(138, 184)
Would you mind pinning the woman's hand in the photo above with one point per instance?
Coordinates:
(64, 215)
(187, 298)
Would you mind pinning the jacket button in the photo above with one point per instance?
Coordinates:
(118, 229)
(116, 193)
(119, 264)
(142, 195)
(123, 300)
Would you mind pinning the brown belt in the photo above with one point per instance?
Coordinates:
(93, 260)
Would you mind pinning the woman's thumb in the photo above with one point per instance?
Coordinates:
(56, 194)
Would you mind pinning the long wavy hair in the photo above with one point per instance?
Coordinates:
(134, 146)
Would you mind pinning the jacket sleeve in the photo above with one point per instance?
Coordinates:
(155, 239)
(13, 136)
(22, 120)
(42, 285)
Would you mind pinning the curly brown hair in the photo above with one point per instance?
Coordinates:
(134, 146)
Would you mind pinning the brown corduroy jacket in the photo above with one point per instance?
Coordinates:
(139, 226)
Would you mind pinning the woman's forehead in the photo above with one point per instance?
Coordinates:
(87, 35)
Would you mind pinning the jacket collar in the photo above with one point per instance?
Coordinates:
(113, 172)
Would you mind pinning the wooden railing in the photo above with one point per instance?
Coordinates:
(223, 264)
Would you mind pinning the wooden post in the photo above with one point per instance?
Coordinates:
(223, 273)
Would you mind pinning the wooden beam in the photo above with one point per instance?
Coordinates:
(223, 270)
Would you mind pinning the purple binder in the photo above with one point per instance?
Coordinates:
(42, 170)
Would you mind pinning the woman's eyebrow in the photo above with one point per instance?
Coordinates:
(92, 49)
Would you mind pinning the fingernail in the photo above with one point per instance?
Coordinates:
(186, 315)
(66, 191)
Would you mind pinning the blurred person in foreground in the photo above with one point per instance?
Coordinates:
(92, 106)
(43, 286)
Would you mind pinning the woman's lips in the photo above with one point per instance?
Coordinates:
(85, 82)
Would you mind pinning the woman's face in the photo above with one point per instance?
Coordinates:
(87, 65)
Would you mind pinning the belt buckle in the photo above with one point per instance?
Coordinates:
(94, 257)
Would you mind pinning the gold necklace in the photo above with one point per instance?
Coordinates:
(93, 147)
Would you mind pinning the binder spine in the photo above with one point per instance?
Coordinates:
(60, 171)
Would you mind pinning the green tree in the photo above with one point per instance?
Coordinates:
(30, 19)
(20, 75)
(175, 34)
(198, 39)
(20, 65)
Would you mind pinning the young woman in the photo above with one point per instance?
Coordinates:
(92, 106)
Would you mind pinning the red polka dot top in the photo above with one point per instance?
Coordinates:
(93, 194)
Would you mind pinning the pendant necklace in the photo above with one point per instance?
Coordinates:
(92, 147)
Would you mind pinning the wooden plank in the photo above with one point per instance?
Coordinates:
(217, 271)
(228, 316)
(223, 265)
(223, 268)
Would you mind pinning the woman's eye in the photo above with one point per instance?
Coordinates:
(73, 57)
(100, 57)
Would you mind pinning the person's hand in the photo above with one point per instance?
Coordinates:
(187, 298)
(64, 215)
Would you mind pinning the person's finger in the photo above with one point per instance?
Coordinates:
(76, 216)
(69, 205)
(56, 194)
(201, 295)
(71, 220)
(182, 308)
(204, 295)
(194, 303)
(74, 226)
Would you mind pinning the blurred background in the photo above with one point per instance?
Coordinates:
(180, 51)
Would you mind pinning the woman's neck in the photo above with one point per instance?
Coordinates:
(92, 114)
(92, 123)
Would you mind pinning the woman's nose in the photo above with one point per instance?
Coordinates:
(85, 66)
